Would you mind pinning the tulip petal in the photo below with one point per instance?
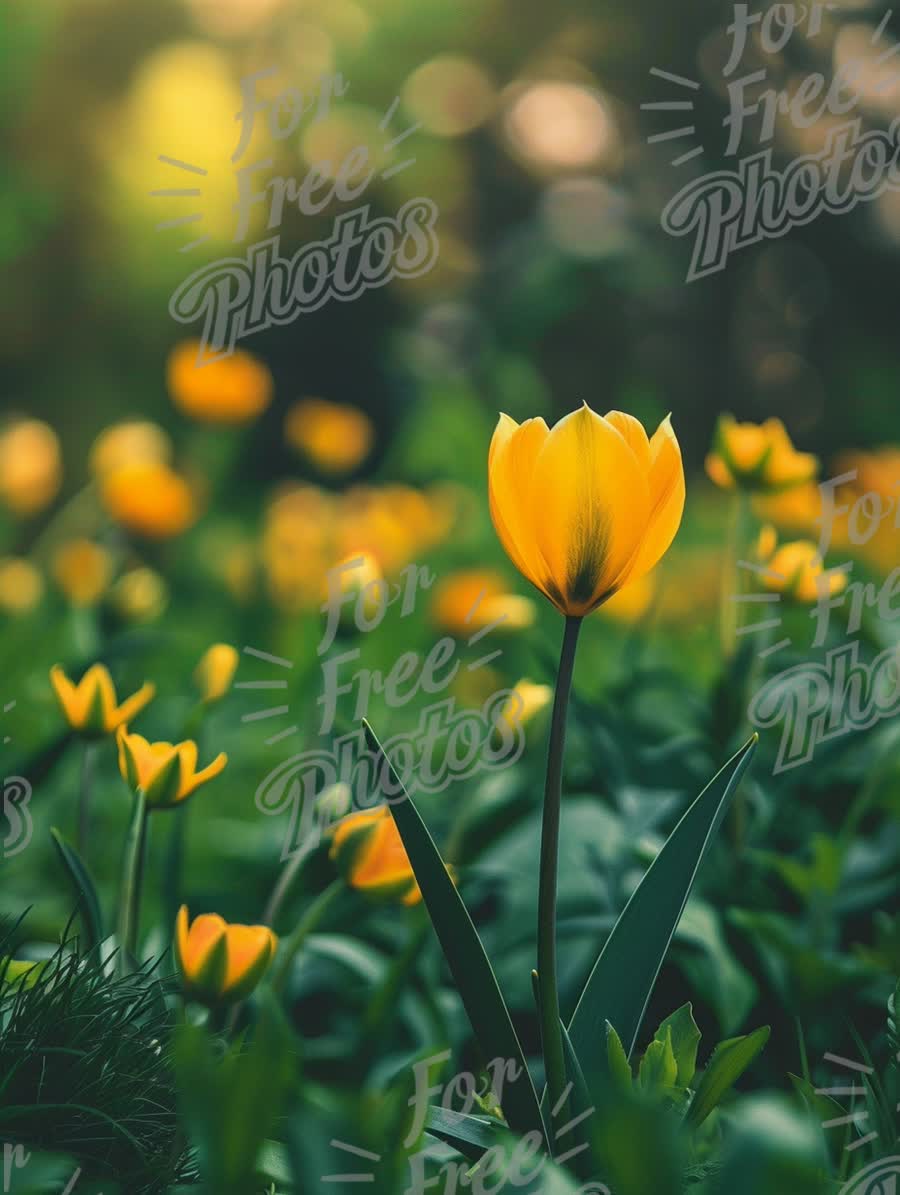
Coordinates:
(634, 435)
(134, 704)
(589, 507)
(249, 950)
(513, 452)
(70, 698)
(213, 769)
(666, 482)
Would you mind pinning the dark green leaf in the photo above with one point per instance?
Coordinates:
(84, 889)
(729, 1061)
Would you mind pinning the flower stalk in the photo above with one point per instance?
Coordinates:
(548, 988)
(132, 879)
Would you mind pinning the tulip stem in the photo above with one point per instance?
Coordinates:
(303, 929)
(132, 878)
(88, 765)
(285, 881)
(551, 1032)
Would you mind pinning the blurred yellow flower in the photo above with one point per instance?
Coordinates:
(336, 438)
(798, 509)
(469, 600)
(630, 604)
(139, 595)
(165, 772)
(221, 963)
(795, 569)
(759, 457)
(526, 701)
(133, 442)
(149, 499)
(586, 508)
(21, 585)
(233, 389)
(30, 466)
(367, 849)
(216, 670)
(865, 519)
(82, 570)
(90, 706)
(365, 581)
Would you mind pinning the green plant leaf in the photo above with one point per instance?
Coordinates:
(658, 1070)
(619, 1067)
(619, 987)
(471, 1135)
(728, 1062)
(685, 1037)
(465, 955)
(84, 889)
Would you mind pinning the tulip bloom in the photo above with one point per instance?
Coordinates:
(336, 438)
(758, 457)
(796, 569)
(588, 507)
(149, 499)
(30, 466)
(369, 853)
(221, 963)
(90, 706)
(229, 390)
(472, 599)
(165, 772)
(216, 670)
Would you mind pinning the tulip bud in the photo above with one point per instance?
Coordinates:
(221, 963)
(215, 672)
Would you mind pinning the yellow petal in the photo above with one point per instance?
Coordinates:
(666, 483)
(133, 705)
(589, 508)
(719, 472)
(634, 435)
(246, 945)
(193, 782)
(514, 450)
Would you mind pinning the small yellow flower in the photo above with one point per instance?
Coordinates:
(21, 585)
(139, 595)
(759, 457)
(233, 389)
(221, 963)
(796, 569)
(586, 508)
(798, 510)
(630, 604)
(367, 849)
(133, 442)
(364, 581)
(334, 437)
(525, 702)
(471, 599)
(30, 466)
(216, 670)
(90, 706)
(82, 570)
(165, 772)
(149, 499)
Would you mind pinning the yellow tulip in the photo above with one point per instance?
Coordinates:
(82, 570)
(525, 702)
(587, 507)
(30, 466)
(233, 389)
(165, 772)
(796, 569)
(90, 706)
(336, 438)
(757, 457)
(21, 585)
(368, 851)
(221, 963)
(471, 599)
(149, 499)
(216, 670)
(133, 442)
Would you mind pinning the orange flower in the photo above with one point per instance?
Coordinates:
(133, 442)
(90, 706)
(796, 569)
(149, 499)
(471, 599)
(165, 772)
(233, 389)
(334, 437)
(216, 670)
(30, 466)
(221, 963)
(82, 570)
(368, 851)
(757, 457)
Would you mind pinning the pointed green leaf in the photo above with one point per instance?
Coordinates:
(685, 1040)
(465, 955)
(729, 1061)
(658, 1070)
(619, 1067)
(84, 889)
(471, 1135)
(619, 987)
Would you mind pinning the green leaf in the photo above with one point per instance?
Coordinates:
(619, 987)
(685, 1037)
(619, 1067)
(729, 1061)
(465, 954)
(471, 1135)
(84, 889)
(658, 1070)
